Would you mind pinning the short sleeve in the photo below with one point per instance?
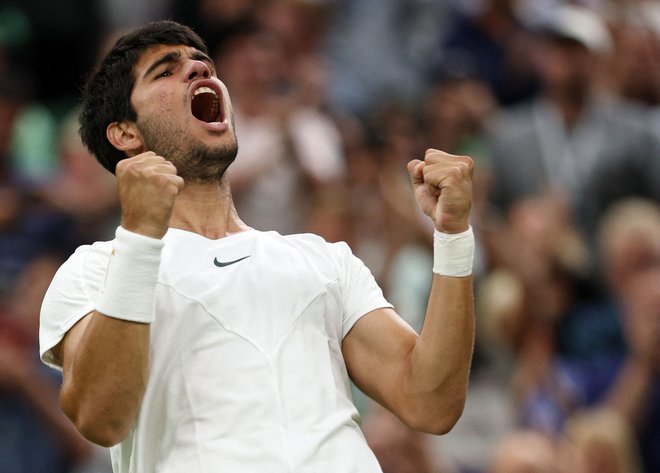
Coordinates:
(360, 292)
(71, 296)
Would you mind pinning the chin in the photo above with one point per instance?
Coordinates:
(206, 163)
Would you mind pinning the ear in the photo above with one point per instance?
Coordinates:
(125, 137)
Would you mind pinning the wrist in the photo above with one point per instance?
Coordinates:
(453, 253)
(144, 229)
(451, 226)
(129, 292)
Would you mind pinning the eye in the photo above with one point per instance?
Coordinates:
(165, 73)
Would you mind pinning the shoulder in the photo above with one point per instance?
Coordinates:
(313, 243)
(86, 255)
(70, 296)
(315, 249)
(85, 267)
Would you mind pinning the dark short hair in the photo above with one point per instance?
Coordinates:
(107, 93)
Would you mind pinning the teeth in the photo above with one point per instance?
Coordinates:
(206, 108)
(204, 90)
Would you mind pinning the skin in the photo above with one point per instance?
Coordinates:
(420, 378)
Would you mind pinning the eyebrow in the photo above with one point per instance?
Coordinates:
(174, 56)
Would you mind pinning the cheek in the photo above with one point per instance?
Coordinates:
(165, 102)
(157, 102)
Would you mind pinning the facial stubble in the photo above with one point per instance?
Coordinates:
(195, 161)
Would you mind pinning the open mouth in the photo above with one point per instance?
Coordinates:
(206, 105)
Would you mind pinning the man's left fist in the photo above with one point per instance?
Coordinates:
(443, 189)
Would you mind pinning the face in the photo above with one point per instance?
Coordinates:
(566, 66)
(184, 113)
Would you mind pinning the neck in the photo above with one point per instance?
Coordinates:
(207, 209)
(570, 105)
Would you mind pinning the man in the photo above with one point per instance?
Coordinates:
(192, 342)
(573, 140)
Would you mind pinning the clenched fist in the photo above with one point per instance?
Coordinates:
(443, 189)
(148, 186)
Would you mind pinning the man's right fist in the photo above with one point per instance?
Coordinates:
(148, 186)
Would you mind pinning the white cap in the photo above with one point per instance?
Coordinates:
(579, 24)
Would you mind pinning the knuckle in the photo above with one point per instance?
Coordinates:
(122, 165)
(467, 160)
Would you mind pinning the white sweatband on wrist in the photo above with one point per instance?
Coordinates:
(453, 253)
(129, 292)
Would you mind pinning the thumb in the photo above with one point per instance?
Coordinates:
(415, 170)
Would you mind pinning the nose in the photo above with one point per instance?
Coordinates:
(197, 70)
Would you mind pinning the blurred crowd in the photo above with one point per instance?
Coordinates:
(558, 103)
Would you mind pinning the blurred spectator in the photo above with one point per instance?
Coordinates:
(635, 69)
(573, 360)
(301, 25)
(381, 48)
(636, 392)
(27, 226)
(489, 32)
(398, 448)
(573, 140)
(27, 135)
(367, 207)
(215, 20)
(331, 216)
(628, 243)
(527, 452)
(540, 259)
(288, 150)
(457, 105)
(407, 254)
(35, 436)
(603, 442)
(82, 189)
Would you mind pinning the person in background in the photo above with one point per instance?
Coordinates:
(602, 441)
(635, 394)
(527, 451)
(573, 139)
(289, 150)
(35, 436)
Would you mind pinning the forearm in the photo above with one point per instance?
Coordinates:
(439, 363)
(105, 378)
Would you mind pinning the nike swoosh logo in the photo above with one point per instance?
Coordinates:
(222, 264)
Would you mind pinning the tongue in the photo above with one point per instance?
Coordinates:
(205, 107)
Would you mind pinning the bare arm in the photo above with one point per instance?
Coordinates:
(105, 369)
(423, 378)
(105, 360)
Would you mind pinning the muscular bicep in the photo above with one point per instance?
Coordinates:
(376, 352)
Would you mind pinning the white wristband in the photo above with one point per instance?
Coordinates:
(129, 292)
(453, 253)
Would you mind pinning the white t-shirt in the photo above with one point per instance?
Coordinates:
(247, 373)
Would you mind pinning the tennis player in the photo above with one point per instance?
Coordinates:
(194, 343)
